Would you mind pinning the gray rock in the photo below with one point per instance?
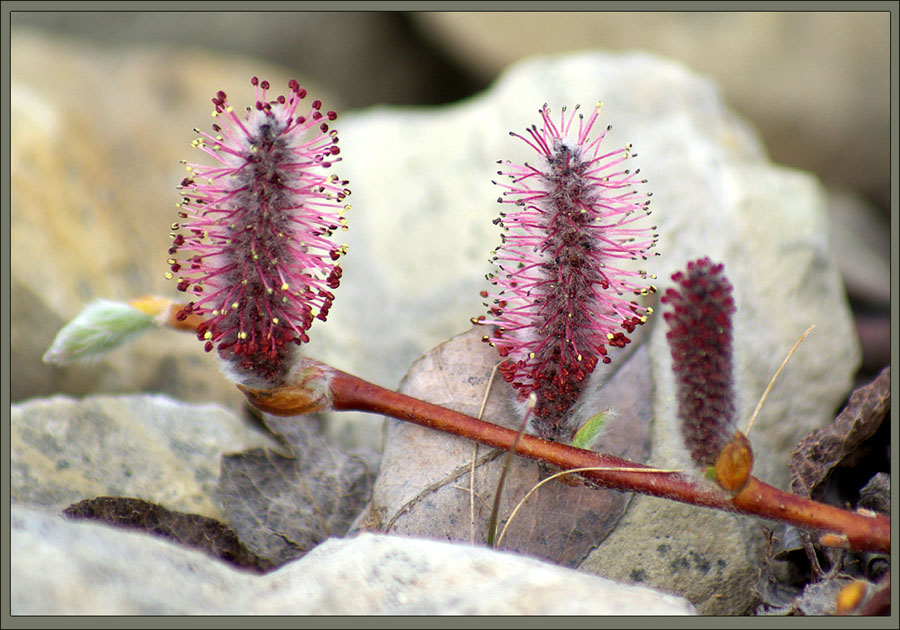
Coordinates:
(62, 568)
(149, 447)
(422, 175)
(709, 557)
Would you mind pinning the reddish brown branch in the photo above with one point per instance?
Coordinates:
(350, 393)
(757, 498)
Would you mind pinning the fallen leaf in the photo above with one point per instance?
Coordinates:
(833, 465)
(281, 505)
(777, 587)
(426, 486)
(845, 443)
(191, 530)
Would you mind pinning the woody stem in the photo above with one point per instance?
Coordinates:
(350, 393)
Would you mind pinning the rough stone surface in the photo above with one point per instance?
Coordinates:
(709, 557)
(149, 447)
(64, 568)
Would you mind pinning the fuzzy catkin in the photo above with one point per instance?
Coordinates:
(700, 340)
(253, 241)
(560, 295)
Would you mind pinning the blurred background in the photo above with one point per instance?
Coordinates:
(815, 85)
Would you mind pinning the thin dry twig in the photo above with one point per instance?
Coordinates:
(487, 393)
(765, 394)
(570, 472)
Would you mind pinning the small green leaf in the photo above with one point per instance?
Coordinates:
(590, 430)
(102, 326)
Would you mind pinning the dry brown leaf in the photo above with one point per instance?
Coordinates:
(282, 505)
(833, 464)
(423, 485)
(191, 530)
(840, 444)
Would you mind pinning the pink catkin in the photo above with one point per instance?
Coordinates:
(700, 340)
(560, 296)
(252, 244)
